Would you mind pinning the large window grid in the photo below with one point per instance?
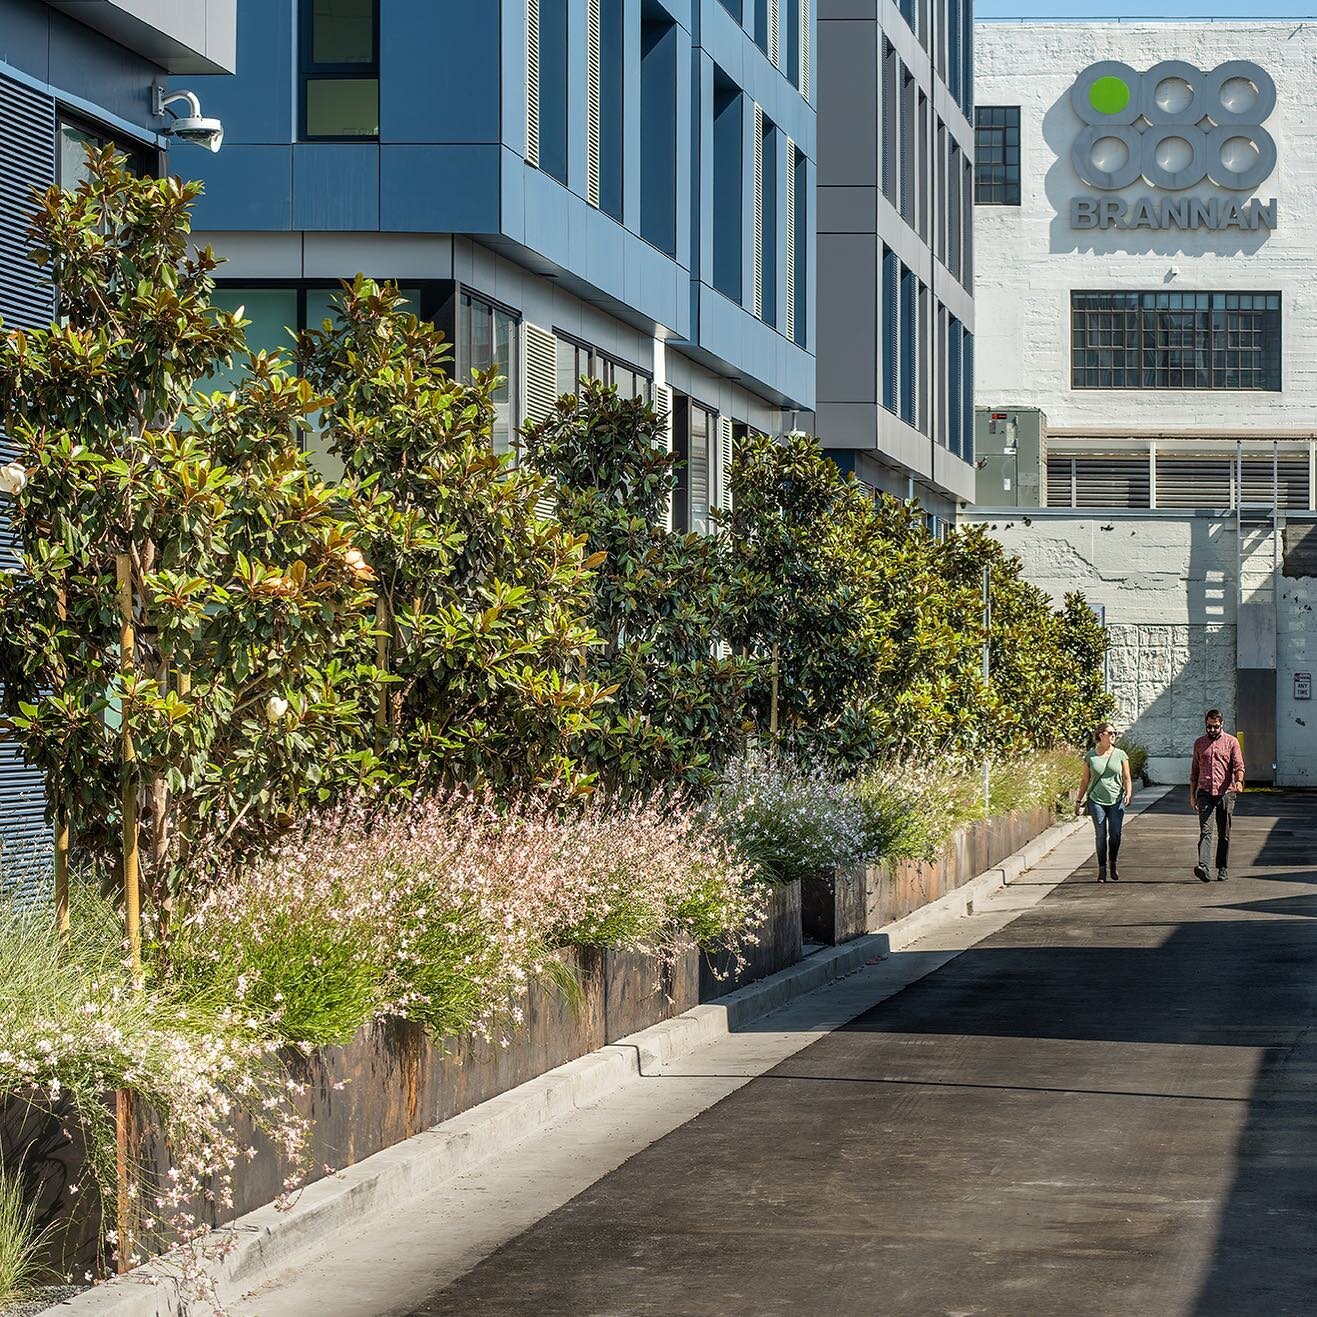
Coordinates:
(1163, 340)
(997, 155)
(340, 70)
(578, 360)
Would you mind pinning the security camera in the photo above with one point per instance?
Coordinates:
(193, 127)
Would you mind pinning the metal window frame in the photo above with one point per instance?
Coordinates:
(309, 70)
(991, 151)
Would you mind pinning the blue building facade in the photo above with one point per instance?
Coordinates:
(75, 73)
(618, 188)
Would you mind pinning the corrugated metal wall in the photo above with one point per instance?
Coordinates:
(27, 160)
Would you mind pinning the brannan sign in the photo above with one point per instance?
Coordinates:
(1174, 128)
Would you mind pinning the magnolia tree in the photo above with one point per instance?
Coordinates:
(662, 603)
(482, 621)
(245, 591)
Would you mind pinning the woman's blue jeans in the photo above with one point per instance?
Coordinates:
(1108, 820)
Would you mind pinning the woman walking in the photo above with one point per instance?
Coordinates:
(1106, 789)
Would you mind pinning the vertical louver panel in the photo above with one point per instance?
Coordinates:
(27, 161)
(663, 406)
(759, 213)
(774, 43)
(592, 79)
(722, 494)
(540, 353)
(540, 350)
(804, 49)
(791, 240)
(533, 82)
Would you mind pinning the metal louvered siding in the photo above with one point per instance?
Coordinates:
(759, 213)
(592, 84)
(27, 161)
(791, 240)
(774, 44)
(1198, 482)
(1258, 487)
(722, 494)
(663, 406)
(540, 353)
(803, 47)
(1098, 481)
(533, 82)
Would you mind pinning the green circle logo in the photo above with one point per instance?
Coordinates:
(1109, 95)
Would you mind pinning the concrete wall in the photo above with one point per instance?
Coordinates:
(1167, 584)
(1029, 258)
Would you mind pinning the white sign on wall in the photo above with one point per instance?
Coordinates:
(1174, 128)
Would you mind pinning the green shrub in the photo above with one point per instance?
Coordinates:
(663, 602)
(21, 1242)
(1138, 757)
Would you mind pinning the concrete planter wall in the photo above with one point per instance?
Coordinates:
(780, 945)
(895, 889)
(833, 907)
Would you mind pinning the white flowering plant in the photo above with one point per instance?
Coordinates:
(443, 913)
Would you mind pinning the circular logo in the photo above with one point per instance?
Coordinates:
(1174, 125)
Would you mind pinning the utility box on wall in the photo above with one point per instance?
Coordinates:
(1011, 445)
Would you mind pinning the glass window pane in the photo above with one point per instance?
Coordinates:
(343, 107)
(273, 314)
(699, 469)
(343, 32)
(73, 147)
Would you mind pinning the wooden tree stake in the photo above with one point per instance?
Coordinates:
(132, 896)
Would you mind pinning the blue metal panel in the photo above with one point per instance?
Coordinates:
(439, 72)
(336, 186)
(85, 62)
(259, 104)
(745, 344)
(440, 189)
(247, 187)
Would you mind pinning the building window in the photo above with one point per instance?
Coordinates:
(612, 76)
(578, 361)
(658, 129)
(693, 434)
(728, 172)
(340, 69)
(891, 121)
(552, 54)
(997, 155)
(487, 337)
(74, 138)
(891, 331)
(1163, 340)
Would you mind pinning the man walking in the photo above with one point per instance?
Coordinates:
(1216, 778)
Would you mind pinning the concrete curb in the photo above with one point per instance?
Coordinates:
(269, 1241)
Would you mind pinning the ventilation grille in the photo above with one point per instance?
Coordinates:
(1197, 482)
(533, 82)
(663, 406)
(1258, 487)
(759, 214)
(774, 43)
(592, 59)
(791, 239)
(1098, 481)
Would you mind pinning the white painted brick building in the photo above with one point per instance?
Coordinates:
(1137, 287)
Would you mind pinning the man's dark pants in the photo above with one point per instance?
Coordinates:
(1214, 815)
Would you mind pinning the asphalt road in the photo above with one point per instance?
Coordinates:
(1110, 1106)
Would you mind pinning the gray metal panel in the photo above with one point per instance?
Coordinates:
(1255, 700)
(27, 160)
(181, 36)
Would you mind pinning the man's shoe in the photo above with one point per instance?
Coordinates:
(1102, 873)
(1200, 872)
(1222, 875)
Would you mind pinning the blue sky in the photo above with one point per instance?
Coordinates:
(1079, 9)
